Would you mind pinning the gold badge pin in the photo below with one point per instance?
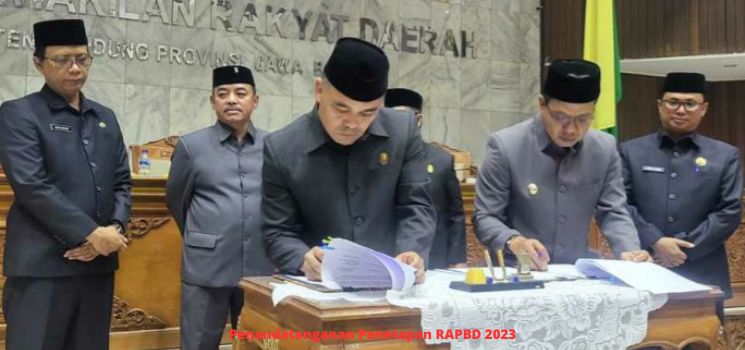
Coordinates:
(383, 159)
(430, 168)
(532, 189)
(701, 161)
(102, 125)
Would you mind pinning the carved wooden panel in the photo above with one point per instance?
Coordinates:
(598, 242)
(605, 250)
(475, 250)
(127, 318)
(734, 333)
(147, 285)
(736, 254)
(141, 226)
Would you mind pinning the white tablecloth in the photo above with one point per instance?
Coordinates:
(576, 315)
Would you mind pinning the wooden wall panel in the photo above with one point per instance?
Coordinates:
(650, 28)
(740, 26)
(637, 112)
(660, 28)
(730, 26)
(562, 23)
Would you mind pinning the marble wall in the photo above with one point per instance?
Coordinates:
(157, 91)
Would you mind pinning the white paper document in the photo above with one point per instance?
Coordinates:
(281, 291)
(354, 267)
(642, 276)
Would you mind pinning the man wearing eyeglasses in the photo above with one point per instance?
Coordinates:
(544, 179)
(683, 188)
(66, 161)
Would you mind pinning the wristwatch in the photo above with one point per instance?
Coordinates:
(118, 227)
(507, 244)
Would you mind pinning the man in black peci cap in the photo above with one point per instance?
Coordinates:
(349, 169)
(66, 161)
(214, 193)
(684, 188)
(544, 179)
(449, 245)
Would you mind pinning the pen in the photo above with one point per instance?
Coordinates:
(365, 289)
(500, 258)
(325, 243)
(487, 257)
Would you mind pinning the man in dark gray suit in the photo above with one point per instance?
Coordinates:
(350, 169)
(544, 179)
(65, 159)
(214, 193)
(449, 245)
(684, 188)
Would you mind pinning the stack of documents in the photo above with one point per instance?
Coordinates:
(354, 267)
(642, 276)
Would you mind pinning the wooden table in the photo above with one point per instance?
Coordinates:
(684, 319)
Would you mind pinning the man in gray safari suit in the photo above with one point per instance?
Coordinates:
(544, 179)
(214, 193)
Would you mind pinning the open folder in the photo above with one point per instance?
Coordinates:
(356, 268)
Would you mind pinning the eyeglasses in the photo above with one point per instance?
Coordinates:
(66, 61)
(688, 105)
(564, 120)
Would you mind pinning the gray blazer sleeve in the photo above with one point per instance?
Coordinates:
(493, 198)
(456, 252)
(23, 161)
(282, 225)
(648, 233)
(415, 229)
(180, 185)
(610, 211)
(721, 223)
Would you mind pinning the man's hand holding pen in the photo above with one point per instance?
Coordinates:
(313, 260)
(312, 263)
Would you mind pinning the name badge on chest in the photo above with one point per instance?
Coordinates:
(60, 128)
(653, 169)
